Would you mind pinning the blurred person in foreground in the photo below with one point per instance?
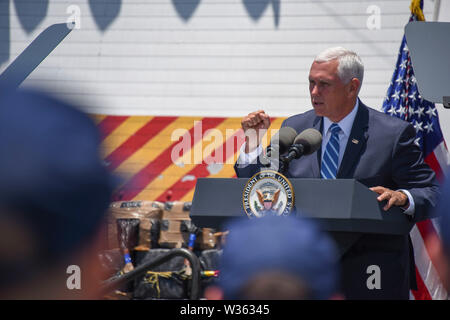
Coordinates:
(54, 192)
(277, 258)
(439, 249)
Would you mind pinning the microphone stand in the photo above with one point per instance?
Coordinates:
(283, 165)
(278, 164)
(282, 162)
(295, 151)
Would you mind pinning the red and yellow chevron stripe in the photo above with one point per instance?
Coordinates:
(145, 151)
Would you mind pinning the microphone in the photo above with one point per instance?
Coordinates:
(304, 144)
(280, 142)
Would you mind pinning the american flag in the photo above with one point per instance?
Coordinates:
(404, 101)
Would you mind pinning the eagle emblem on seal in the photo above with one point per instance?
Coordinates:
(267, 199)
(267, 193)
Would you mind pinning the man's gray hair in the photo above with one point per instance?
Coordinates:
(350, 64)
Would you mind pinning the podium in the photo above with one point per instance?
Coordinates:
(345, 208)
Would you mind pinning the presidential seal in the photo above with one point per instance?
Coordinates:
(268, 193)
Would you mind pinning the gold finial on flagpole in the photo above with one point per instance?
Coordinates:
(415, 9)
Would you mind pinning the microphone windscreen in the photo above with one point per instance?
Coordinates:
(311, 139)
(283, 138)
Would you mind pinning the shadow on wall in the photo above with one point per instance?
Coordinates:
(30, 15)
(4, 32)
(185, 9)
(105, 12)
(256, 8)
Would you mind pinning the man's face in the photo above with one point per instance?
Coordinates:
(330, 97)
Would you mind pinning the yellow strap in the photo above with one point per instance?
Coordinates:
(415, 9)
(153, 279)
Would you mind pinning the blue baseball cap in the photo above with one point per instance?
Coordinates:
(287, 244)
(52, 178)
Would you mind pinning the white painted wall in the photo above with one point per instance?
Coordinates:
(218, 62)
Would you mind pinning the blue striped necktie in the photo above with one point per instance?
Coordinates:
(330, 158)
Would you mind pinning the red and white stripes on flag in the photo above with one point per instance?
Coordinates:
(429, 283)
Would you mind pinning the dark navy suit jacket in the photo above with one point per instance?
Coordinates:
(385, 155)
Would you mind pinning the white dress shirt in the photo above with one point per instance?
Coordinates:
(346, 125)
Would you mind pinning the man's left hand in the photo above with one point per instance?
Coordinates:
(393, 198)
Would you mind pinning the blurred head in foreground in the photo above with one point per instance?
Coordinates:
(54, 191)
(439, 248)
(271, 258)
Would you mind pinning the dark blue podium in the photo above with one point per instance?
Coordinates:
(345, 208)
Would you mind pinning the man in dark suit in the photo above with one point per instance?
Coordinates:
(363, 144)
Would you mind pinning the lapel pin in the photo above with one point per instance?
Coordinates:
(355, 141)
